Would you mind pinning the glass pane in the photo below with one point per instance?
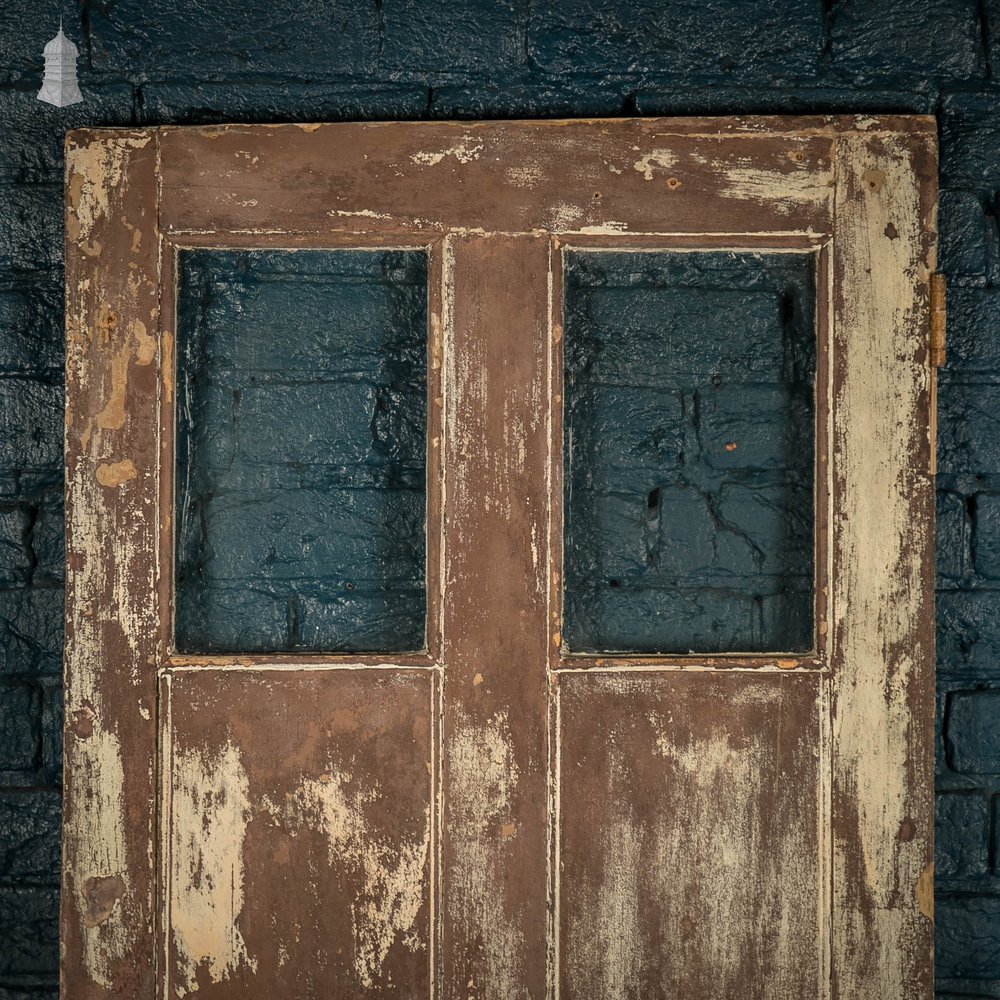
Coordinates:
(688, 451)
(301, 414)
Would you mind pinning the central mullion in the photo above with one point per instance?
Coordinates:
(495, 632)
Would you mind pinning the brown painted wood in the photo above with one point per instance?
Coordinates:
(113, 378)
(495, 688)
(298, 833)
(495, 817)
(645, 176)
(689, 862)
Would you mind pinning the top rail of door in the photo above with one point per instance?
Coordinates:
(754, 175)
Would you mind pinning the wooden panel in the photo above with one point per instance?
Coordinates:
(495, 690)
(639, 175)
(298, 833)
(690, 838)
(883, 566)
(112, 385)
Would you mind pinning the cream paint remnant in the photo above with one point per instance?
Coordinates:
(365, 213)
(525, 175)
(664, 159)
(107, 936)
(93, 171)
(563, 216)
(925, 892)
(465, 151)
(393, 875)
(211, 809)
(112, 417)
(112, 474)
(878, 595)
(482, 776)
(779, 188)
(145, 343)
(607, 229)
(94, 762)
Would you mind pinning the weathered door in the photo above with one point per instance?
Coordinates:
(566, 767)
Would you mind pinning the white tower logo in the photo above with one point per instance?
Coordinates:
(59, 86)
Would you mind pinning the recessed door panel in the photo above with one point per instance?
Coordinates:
(298, 834)
(690, 863)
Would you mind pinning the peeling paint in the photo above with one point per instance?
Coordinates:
(879, 594)
(363, 213)
(145, 343)
(563, 216)
(780, 188)
(94, 171)
(209, 822)
(392, 874)
(925, 892)
(482, 776)
(664, 159)
(525, 175)
(689, 861)
(100, 871)
(112, 417)
(113, 474)
(465, 151)
(101, 895)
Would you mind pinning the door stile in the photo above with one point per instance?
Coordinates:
(882, 600)
(495, 699)
(112, 299)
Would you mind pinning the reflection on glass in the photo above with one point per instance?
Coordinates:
(301, 412)
(688, 447)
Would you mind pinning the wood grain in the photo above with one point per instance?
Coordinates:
(112, 383)
(495, 689)
(883, 569)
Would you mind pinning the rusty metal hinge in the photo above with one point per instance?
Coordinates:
(939, 293)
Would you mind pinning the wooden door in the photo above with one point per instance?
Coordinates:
(506, 812)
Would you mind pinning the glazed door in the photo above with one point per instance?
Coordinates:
(500, 561)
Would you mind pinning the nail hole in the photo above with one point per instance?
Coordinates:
(673, 183)
(614, 584)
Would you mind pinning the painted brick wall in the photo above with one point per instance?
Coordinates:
(187, 61)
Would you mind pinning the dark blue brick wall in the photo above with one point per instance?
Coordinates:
(201, 61)
(301, 401)
(689, 459)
